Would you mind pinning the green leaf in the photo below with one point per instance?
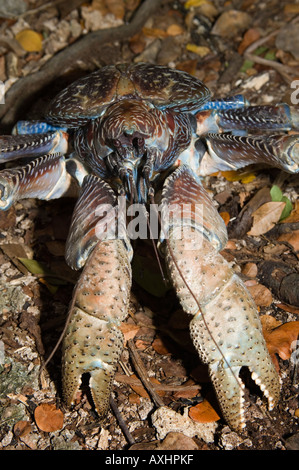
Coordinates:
(287, 209)
(276, 193)
(277, 196)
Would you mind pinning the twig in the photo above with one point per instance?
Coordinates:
(121, 422)
(132, 381)
(27, 87)
(141, 371)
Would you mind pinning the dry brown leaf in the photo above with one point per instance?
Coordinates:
(265, 217)
(292, 238)
(22, 428)
(140, 390)
(129, 330)
(30, 40)
(249, 37)
(203, 413)
(48, 418)
(250, 270)
(261, 294)
(289, 308)
(280, 339)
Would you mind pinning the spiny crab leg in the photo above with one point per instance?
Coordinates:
(13, 147)
(93, 340)
(231, 152)
(225, 328)
(275, 118)
(44, 178)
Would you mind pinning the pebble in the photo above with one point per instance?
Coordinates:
(257, 82)
(12, 8)
(231, 23)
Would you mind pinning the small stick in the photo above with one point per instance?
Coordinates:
(141, 371)
(121, 422)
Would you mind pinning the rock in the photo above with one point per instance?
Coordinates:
(12, 8)
(170, 51)
(231, 23)
(257, 82)
(288, 39)
(166, 420)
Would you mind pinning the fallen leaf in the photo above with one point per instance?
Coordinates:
(261, 295)
(250, 270)
(225, 216)
(48, 418)
(22, 428)
(195, 3)
(294, 215)
(129, 330)
(239, 175)
(289, 308)
(30, 40)
(292, 238)
(277, 196)
(249, 37)
(201, 51)
(203, 413)
(280, 340)
(265, 217)
(141, 391)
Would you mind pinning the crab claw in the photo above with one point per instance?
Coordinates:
(226, 328)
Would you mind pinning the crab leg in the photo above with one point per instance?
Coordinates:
(13, 147)
(225, 328)
(93, 341)
(276, 118)
(231, 152)
(44, 178)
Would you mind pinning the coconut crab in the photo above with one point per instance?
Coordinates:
(144, 134)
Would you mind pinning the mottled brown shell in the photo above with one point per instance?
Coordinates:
(88, 97)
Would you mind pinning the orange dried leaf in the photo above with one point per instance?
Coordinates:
(249, 37)
(129, 330)
(22, 428)
(48, 418)
(225, 216)
(141, 391)
(280, 340)
(203, 413)
(289, 308)
(292, 238)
